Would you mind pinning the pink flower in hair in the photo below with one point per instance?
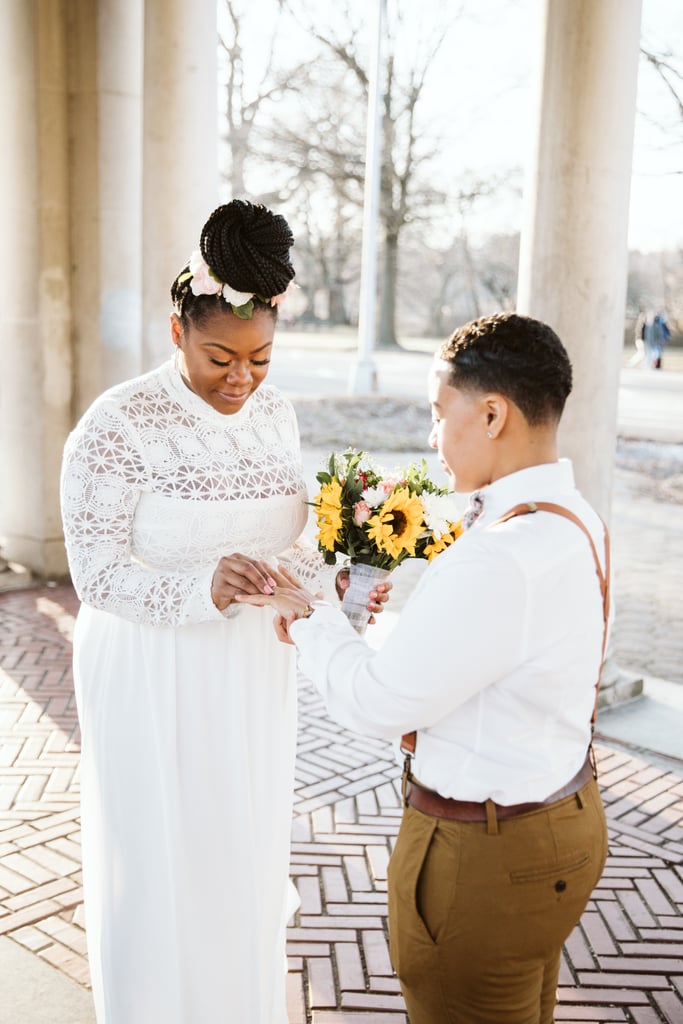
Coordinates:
(203, 282)
(277, 299)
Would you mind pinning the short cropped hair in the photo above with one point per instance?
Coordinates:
(515, 356)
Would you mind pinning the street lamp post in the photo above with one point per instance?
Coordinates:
(363, 376)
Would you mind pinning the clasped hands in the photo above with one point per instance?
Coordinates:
(245, 580)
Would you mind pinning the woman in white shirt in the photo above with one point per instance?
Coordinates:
(494, 662)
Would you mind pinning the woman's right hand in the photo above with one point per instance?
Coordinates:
(238, 574)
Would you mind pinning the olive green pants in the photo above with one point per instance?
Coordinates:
(478, 912)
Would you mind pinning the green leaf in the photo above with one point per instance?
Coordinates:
(245, 311)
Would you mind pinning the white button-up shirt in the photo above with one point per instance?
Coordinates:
(495, 657)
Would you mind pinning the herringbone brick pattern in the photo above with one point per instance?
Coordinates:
(624, 963)
(40, 869)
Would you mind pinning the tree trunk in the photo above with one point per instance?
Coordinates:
(471, 274)
(386, 336)
(338, 314)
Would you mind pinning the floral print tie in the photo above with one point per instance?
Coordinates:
(473, 510)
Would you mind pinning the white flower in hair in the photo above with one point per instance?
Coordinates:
(234, 297)
(203, 282)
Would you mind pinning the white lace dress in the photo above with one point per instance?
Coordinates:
(187, 714)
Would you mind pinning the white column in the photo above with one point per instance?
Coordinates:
(180, 162)
(105, 140)
(119, 77)
(35, 385)
(574, 242)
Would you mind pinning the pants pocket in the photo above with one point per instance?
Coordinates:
(560, 870)
(409, 939)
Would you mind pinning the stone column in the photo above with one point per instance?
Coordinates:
(120, 76)
(573, 259)
(35, 385)
(180, 163)
(106, 139)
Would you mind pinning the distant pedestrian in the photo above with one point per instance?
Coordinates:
(638, 357)
(648, 336)
(661, 334)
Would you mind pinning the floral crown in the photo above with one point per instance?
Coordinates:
(203, 281)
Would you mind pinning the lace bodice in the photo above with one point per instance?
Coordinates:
(157, 486)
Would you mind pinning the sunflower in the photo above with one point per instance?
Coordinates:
(328, 510)
(439, 544)
(398, 523)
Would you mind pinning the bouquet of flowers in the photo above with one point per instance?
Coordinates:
(378, 519)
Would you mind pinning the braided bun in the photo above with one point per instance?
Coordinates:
(247, 247)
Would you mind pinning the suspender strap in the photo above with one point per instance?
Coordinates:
(409, 740)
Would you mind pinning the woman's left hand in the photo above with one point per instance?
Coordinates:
(378, 596)
(290, 600)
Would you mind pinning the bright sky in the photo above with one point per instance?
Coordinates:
(486, 75)
(479, 98)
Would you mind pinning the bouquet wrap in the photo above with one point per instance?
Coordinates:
(362, 579)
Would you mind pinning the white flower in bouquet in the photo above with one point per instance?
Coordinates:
(441, 511)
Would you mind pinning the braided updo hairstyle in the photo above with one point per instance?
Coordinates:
(246, 246)
(515, 356)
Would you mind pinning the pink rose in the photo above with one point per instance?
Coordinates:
(202, 283)
(361, 512)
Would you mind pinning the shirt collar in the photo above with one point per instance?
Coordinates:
(535, 483)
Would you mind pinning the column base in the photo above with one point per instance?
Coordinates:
(617, 685)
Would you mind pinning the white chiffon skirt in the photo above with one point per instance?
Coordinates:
(188, 746)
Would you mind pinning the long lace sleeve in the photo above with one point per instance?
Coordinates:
(104, 475)
(305, 562)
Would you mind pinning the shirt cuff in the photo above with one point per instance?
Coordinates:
(319, 614)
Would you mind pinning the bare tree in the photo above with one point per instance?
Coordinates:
(320, 172)
(405, 196)
(671, 77)
(243, 103)
(307, 127)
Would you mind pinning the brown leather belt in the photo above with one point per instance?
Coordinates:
(429, 802)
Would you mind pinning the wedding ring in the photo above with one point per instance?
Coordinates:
(307, 612)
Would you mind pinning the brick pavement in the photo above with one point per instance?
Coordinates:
(624, 963)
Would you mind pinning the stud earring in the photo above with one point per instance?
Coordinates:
(489, 434)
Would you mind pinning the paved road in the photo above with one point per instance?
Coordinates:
(650, 402)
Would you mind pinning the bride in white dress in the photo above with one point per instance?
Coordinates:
(179, 490)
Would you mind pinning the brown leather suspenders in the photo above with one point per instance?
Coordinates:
(409, 740)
